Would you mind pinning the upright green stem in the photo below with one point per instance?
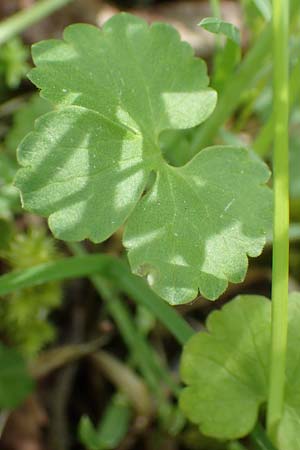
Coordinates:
(281, 217)
(215, 8)
(22, 20)
(216, 12)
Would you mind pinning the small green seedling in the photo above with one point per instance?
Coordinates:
(226, 57)
(218, 26)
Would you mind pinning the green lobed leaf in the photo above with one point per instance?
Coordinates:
(124, 88)
(88, 163)
(195, 227)
(219, 26)
(226, 371)
(15, 383)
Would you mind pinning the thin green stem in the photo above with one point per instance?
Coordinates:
(294, 234)
(216, 12)
(62, 269)
(22, 20)
(280, 276)
(143, 354)
(139, 291)
(215, 8)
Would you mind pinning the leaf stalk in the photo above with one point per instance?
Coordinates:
(215, 8)
(280, 29)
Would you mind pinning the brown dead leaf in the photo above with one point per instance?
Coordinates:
(23, 430)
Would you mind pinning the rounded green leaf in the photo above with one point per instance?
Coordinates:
(288, 435)
(87, 164)
(226, 370)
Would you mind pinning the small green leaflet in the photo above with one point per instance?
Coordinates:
(15, 382)
(226, 57)
(218, 26)
(88, 163)
(23, 121)
(13, 62)
(228, 365)
(112, 428)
